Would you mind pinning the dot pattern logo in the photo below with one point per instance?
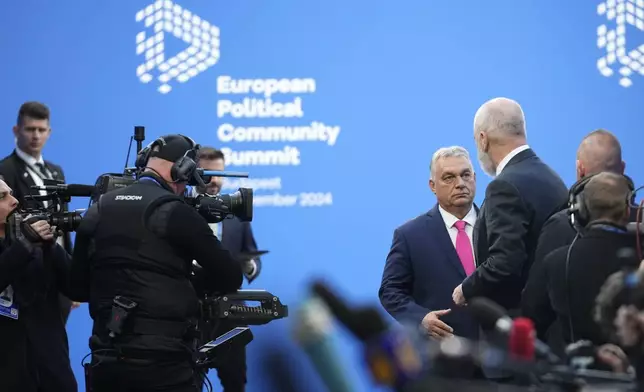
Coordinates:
(622, 15)
(165, 17)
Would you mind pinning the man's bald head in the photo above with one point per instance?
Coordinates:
(500, 118)
(605, 196)
(599, 151)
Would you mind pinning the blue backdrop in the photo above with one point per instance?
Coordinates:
(371, 89)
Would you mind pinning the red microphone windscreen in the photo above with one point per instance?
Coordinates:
(521, 340)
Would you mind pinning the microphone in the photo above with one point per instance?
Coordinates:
(493, 316)
(312, 331)
(389, 353)
(73, 190)
(521, 342)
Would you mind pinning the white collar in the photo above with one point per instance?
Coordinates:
(29, 160)
(450, 219)
(508, 157)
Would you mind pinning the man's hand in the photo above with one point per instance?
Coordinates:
(43, 230)
(435, 327)
(75, 305)
(614, 357)
(457, 296)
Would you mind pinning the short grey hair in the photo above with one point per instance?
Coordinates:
(448, 152)
(502, 117)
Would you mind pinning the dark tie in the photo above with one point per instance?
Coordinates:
(43, 170)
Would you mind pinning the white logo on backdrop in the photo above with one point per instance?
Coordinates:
(165, 17)
(621, 15)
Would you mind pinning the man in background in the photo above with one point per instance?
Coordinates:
(25, 167)
(524, 193)
(237, 237)
(432, 253)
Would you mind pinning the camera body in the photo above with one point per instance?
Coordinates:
(53, 213)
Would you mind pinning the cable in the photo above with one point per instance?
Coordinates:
(567, 277)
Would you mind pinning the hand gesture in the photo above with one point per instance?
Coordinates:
(43, 230)
(435, 327)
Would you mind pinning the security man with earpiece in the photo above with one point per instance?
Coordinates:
(132, 262)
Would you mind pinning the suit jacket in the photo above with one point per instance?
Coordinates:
(237, 237)
(420, 274)
(593, 259)
(14, 171)
(15, 174)
(517, 203)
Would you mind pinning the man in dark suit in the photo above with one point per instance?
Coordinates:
(433, 253)
(25, 167)
(523, 194)
(572, 275)
(237, 237)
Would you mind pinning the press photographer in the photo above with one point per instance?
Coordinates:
(33, 270)
(133, 261)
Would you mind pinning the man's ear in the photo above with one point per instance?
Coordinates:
(432, 186)
(15, 130)
(580, 170)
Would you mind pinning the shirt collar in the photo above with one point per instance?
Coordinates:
(508, 157)
(28, 158)
(450, 219)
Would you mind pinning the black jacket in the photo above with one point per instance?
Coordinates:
(592, 260)
(139, 242)
(517, 203)
(35, 354)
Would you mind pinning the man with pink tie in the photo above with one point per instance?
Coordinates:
(432, 253)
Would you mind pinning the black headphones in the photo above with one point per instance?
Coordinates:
(577, 206)
(183, 169)
(580, 219)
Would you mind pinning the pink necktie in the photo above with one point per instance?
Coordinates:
(464, 248)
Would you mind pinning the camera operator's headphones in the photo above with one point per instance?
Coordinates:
(577, 206)
(580, 220)
(183, 168)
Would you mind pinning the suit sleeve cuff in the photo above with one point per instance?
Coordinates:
(468, 287)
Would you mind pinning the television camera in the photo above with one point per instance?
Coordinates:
(214, 208)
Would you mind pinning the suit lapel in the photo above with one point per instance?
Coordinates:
(23, 174)
(437, 228)
(479, 233)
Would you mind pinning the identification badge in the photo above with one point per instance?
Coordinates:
(7, 307)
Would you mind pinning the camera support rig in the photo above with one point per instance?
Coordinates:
(231, 307)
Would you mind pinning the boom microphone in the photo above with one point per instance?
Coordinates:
(73, 190)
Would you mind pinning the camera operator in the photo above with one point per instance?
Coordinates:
(33, 269)
(574, 274)
(237, 237)
(132, 262)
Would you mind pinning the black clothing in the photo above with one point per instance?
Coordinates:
(592, 260)
(237, 237)
(14, 172)
(139, 242)
(35, 353)
(517, 203)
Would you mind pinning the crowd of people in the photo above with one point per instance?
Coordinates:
(132, 262)
(535, 247)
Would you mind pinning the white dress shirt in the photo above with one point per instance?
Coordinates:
(450, 219)
(511, 155)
